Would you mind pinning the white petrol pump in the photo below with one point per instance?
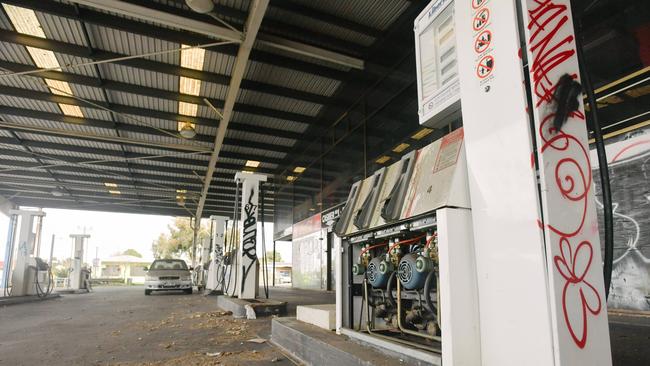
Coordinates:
(218, 227)
(483, 247)
(79, 277)
(234, 265)
(29, 275)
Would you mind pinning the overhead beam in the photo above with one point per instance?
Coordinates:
(174, 158)
(216, 31)
(255, 16)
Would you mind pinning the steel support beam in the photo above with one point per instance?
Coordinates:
(255, 16)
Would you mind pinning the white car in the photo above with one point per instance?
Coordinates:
(168, 275)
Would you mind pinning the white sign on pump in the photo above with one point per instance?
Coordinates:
(437, 69)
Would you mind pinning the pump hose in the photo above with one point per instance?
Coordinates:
(431, 279)
(603, 166)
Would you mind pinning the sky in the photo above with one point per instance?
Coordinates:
(110, 233)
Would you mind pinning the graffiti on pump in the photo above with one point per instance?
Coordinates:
(249, 240)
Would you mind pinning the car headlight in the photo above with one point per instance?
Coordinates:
(150, 278)
(186, 278)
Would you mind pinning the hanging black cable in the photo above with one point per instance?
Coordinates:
(603, 166)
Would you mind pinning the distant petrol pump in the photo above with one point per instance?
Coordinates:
(25, 273)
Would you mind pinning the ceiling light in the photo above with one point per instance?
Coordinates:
(187, 130)
(200, 6)
(382, 159)
(114, 192)
(181, 191)
(299, 169)
(252, 163)
(57, 192)
(190, 86)
(111, 185)
(290, 178)
(71, 110)
(24, 20)
(192, 58)
(187, 109)
(422, 133)
(401, 147)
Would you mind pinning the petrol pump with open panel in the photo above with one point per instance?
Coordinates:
(483, 247)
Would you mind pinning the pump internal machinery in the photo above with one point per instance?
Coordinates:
(392, 228)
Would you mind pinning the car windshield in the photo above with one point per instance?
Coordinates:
(169, 264)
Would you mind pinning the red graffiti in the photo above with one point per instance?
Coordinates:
(574, 267)
(551, 46)
(548, 52)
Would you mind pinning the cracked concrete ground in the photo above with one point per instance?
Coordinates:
(120, 326)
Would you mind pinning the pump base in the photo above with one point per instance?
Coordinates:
(261, 307)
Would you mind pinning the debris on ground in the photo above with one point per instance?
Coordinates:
(257, 340)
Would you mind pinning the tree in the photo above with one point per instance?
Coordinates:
(132, 252)
(178, 241)
(270, 258)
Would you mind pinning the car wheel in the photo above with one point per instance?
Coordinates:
(188, 291)
(147, 292)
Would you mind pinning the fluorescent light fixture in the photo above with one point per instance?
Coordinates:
(181, 191)
(114, 192)
(187, 109)
(71, 110)
(422, 133)
(299, 169)
(252, 163)
(290, 178)
(192, 58)
(401, 147)
(110, 184)
(382, 159)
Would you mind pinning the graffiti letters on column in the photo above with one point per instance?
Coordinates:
(566, 159)
(249, 240)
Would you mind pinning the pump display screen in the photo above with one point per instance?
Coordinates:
(437, 63)
(436, 58)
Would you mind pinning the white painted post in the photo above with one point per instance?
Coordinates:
(514, 303)
(570, 223)
(248, 268)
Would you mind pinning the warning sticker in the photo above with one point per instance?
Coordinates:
(478, 3)
(449, 150)
(481, 19)
(485, 67)
(482, 42)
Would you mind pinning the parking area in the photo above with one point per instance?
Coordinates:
(120, 326)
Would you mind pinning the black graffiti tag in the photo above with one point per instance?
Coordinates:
(249, 240)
